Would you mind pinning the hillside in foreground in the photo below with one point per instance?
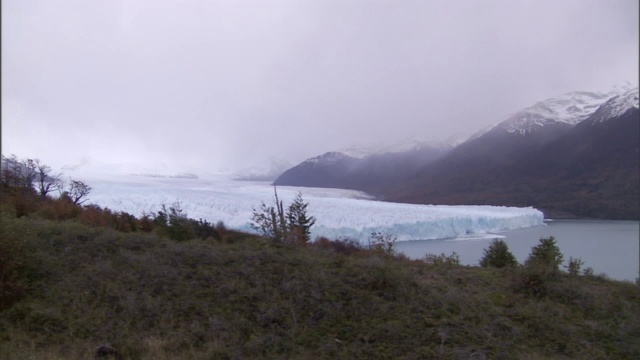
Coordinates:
(69, 287)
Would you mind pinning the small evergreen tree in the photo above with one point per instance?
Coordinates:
(498, 255)
(173, 223)
(545, 255)
(298, 223)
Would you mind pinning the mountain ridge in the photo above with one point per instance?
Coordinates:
(587, 151)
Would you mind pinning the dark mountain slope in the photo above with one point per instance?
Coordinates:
(372, 173)
(573, 155)
(590, 170)
(594, 170)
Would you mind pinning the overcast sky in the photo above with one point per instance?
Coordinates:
(225, 84)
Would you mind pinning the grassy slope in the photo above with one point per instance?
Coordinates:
(153, 298)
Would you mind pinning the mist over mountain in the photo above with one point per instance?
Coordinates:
(267, 170)
(368, 170)
(574, 155)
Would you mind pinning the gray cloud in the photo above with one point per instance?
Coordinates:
(226, 83)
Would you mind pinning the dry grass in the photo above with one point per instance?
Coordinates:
(154, 298)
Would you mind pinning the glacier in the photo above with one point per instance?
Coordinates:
(339, 213)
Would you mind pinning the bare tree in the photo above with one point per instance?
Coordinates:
(78, 191)
(29, 173)
(46, 181)
(18, 174)
(271, 221)
(8, 175)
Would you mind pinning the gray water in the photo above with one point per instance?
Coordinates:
(609, 247)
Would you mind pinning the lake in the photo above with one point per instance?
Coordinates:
(609, 247)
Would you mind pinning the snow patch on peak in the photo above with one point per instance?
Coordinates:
(616, 106)
(328, 158)
(451, 142)
(570, 108)
(409, 144)
(405, 145)
(360, 152)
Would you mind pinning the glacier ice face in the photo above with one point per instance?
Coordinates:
(339, 213)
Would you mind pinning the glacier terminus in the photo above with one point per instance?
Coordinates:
(339, 213)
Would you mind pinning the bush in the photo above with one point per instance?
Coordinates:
(344, 246)
(498, 255)
(12, 288)
(383, 242)
(574, 266)
(542, 268)
(293, 225)
(173, 223)
(433, 259)
(545, 255)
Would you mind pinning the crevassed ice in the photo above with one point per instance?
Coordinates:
(339, 213)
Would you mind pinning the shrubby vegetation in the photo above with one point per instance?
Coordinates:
(27, 189)
(291, 226)
(442, 259)
(174, 223)
(498, 255)
(545, 255)
(163, 286)
(383, 242)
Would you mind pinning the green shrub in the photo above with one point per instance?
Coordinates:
(174, 224)
(12, 287)
(344, 246)
(574, 266)
(498, 255)
(546, 255)
(442, 259)
(542, 268)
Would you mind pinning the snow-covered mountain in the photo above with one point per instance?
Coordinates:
(548, 155)
(330, 158)
(571, 155)
(566, 109)
(616, 106)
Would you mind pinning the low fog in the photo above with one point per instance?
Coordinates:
(214, 85)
